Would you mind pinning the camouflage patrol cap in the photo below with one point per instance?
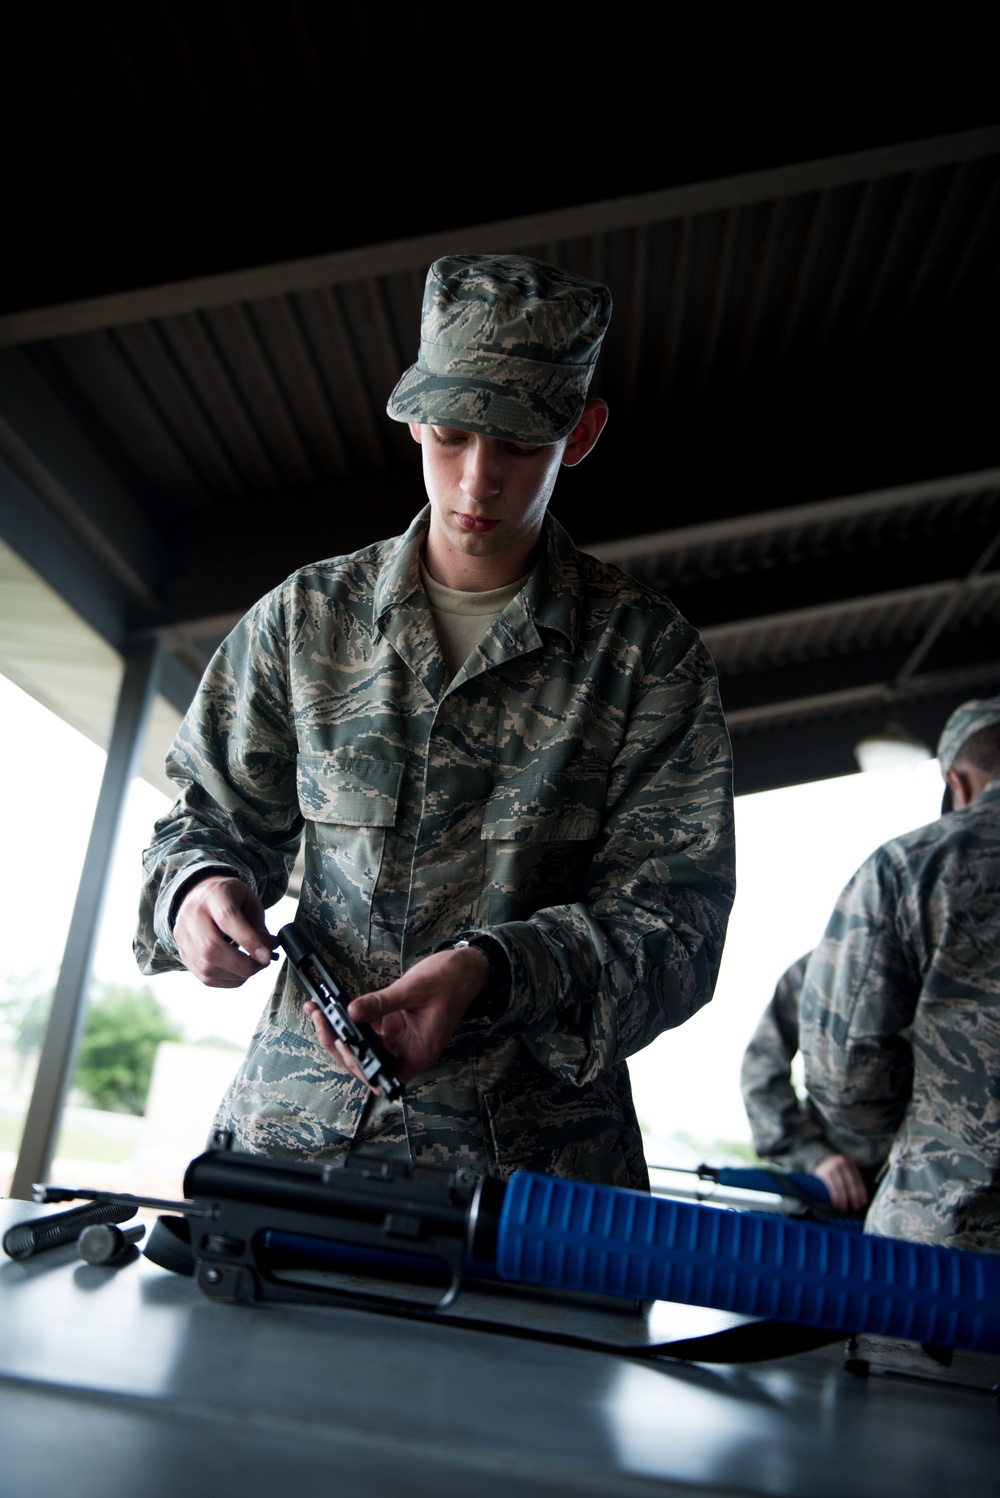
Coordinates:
(507, 348)
(963, 723)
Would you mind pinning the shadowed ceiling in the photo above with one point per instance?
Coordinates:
(224, 215)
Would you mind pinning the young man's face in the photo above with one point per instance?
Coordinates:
(488, 497)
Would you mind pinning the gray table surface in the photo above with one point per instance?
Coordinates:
(130, 1375)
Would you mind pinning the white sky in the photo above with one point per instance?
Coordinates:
(796, 849)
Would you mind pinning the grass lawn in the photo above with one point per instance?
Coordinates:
(104, 1138)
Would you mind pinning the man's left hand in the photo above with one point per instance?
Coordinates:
(417, 1015)
(844, 1181)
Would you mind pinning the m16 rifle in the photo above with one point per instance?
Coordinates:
(260, 1230)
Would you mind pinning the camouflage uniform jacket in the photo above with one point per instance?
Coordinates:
(568, 792)
(900, 1027)
(784, 1130)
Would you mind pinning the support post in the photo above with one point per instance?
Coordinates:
(60, 1048)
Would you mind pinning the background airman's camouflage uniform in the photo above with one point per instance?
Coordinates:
(784, 1129)
(568, 792)
(900, 1027)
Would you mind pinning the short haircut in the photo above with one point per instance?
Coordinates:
(981, 751)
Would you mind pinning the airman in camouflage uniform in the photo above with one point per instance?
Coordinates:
(562, 801)
(900, 1013)
(783, 1129)
(786, 1130)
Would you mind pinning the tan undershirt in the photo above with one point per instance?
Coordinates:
(461, 619)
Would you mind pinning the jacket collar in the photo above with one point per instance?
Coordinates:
(399, 576)
(551, 598)
(553, 595)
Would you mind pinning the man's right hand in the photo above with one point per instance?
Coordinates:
(844, 1181)
(220, 932)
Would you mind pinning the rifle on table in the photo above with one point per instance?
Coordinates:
(753, 1187)
(256, 1226)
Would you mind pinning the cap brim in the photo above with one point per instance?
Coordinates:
(509, 412)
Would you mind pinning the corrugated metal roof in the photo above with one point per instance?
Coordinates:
(799, 366)
(287, 391)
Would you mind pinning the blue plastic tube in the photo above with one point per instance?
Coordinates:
(577, 1236)
(777, 1182)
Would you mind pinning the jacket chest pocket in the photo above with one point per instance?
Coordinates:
(540, 838)
(349, 802)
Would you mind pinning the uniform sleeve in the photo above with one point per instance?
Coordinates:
(782, 1129)
(858, 1000)
(233, 763)
(595, 981)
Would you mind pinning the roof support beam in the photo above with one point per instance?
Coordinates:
(43, 444)
(976, 577)
(793, 517)
(507, 234)
(60, 1048)
(961, 680)
(718, 636)
(58, 515)
(30, 528)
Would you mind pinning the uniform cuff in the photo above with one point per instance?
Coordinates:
(491, 1002)
(170, 898)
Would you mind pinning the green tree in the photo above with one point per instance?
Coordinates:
(124, 1028)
